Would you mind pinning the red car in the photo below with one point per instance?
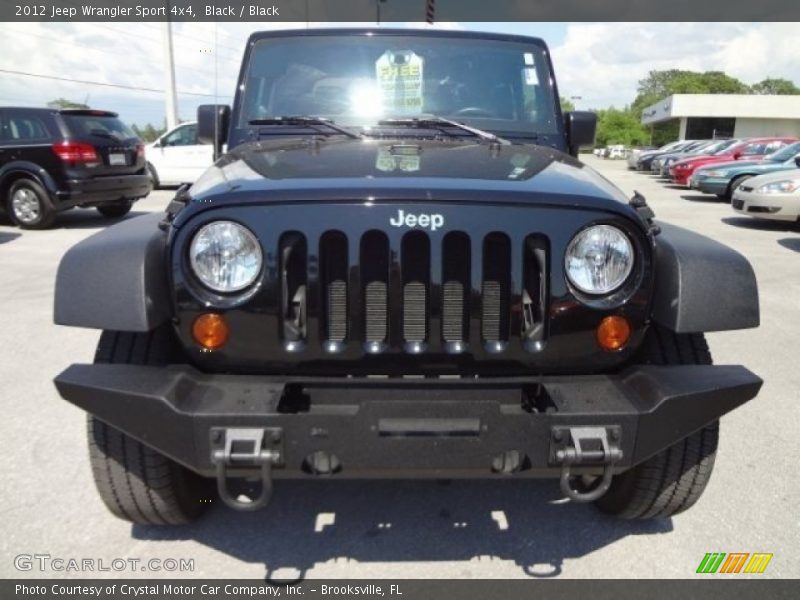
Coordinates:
(748, 149)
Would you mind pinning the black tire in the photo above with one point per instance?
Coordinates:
(115, 210)
(735, 184)
(674, 479)
(151, 170)
(135, 482)
(28, 206)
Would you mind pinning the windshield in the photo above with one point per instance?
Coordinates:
(784, 154)
(358, 80)
(718, 146)
(108, 127)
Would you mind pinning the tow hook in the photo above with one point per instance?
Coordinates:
(585, 446)
(246, 449)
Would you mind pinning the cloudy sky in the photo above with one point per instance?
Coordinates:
(600, 62)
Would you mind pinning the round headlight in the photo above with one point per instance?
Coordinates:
(225, 256)
(599, 259)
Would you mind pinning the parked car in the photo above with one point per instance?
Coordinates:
(177, 156)
(615, 152)
(646, 159)
(695, 147)
(722, 178)
(360, 292)
(773, 196)
(747, 149)
(636, 153)
(52, 160)
(666, 161)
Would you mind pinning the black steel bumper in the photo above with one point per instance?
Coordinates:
(407, 427)
(97, 190)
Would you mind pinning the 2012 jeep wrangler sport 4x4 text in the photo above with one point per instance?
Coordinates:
(400, 269)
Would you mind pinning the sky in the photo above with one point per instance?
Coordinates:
(600, 63)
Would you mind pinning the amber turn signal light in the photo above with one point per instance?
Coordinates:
(613, 333)
(211, 331)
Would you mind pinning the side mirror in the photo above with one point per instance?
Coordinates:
(797, 161)
(581, 126)
(212, 125)
(737, 155)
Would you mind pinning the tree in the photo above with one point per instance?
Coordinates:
(624, 126)
(566, 105)
(64, 103)
(148, 133)
(772, 85)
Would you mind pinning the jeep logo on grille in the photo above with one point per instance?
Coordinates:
(432, 222)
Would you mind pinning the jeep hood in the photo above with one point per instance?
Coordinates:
(336, 168)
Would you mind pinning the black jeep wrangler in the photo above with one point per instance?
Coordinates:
(399, 269)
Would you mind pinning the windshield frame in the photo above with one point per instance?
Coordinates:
(241, 132)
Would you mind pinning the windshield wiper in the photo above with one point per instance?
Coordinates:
(441, 124)
(312, 122)
(104, 134)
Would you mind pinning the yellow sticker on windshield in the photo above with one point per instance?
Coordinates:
(400, 82)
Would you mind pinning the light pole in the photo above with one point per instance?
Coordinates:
(171, 92)
(575, 100)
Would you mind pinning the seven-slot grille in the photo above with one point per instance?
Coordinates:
(429, 294)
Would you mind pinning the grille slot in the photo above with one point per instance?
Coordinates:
(456, 266)
(375, 277)
(294, 279)
(333, 273)
(416, 266)
(496, 287)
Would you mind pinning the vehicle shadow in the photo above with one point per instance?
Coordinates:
(8, 236)
(90, 219)
(759, 224)
(312, 522)
(790, 243)
(701, 198)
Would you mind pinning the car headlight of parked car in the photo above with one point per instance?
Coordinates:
(225, 256)
(599, 259)
(787, 186)
(714, 173)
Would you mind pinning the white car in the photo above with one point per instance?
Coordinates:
(771, 196)
(177, 157)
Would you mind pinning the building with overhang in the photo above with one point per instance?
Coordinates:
(706, 116)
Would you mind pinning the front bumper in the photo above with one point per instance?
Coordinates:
(97, 190)
(779, 207)
(407, 427)
(712, 185)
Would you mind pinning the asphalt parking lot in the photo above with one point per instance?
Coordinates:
(458, 529)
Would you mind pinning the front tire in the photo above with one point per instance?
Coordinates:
(151, 170)
(115, 210)
(674, 479)
(135, 482)
(734, 185)
(27, 205)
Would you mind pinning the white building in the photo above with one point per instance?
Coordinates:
(705, 116)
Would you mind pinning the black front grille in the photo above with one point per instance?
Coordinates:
(738, 204)
(425, 295)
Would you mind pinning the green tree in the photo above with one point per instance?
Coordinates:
(773, 85)
(566, 104)
(615, 126)
(148, 133)
(64, 103)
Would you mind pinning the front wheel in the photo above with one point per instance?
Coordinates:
(734, 186)
(115, 210)
(674, 479)
(135, 482)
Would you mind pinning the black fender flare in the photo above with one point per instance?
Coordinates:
(701, 284)
(116, 279)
